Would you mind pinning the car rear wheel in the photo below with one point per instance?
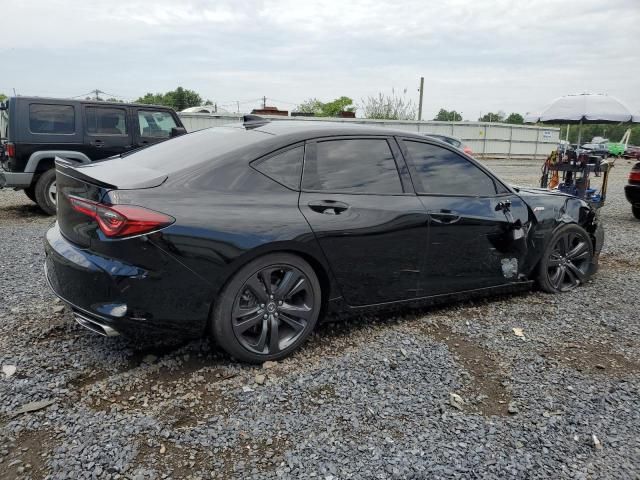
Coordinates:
(636, 211)
(566, 262)
(46, 192)
(268, 309)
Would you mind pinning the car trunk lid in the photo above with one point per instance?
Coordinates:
(91, 182)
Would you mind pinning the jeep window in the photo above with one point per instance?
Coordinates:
(106, 121)
(155, 124)
(51, 119)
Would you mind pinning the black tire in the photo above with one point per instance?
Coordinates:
(43, 195)
(635, 209)
(566, 262)
(31, 193)
(248, 312)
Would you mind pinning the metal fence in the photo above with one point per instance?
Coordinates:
(487, 140)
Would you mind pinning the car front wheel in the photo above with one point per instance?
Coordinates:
(268, 309)
(635, 209)
(566, 262)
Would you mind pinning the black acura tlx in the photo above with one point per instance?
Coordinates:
(252, 232)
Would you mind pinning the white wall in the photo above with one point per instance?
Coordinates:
(487, 140)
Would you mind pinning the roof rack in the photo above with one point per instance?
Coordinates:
(254, 121)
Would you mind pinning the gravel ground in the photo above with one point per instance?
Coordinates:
(441, 393)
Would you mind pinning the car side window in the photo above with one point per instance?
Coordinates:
(106, 121)
(444, 172)
(52, 119)
(285, 168)
(155, 124)
(353, 166)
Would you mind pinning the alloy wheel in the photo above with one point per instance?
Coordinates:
(272, 309)
(53, 192)
(569, 262)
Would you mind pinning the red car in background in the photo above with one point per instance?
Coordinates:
(456, 142)
(632, 152)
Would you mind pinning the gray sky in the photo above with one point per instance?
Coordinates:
(476, 56)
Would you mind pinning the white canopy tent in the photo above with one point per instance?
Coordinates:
(584, 108)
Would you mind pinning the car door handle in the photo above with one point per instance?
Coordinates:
(328, 207)
(445, 217)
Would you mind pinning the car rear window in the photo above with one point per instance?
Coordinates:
(51, 119)
(192, 149)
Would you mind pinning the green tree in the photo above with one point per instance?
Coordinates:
(328, 109)
(613, 132)
(178, 99)
(311, 105)
(3, 97)
(448, 116)
(492, 117)
(333, 108)
(515, 119)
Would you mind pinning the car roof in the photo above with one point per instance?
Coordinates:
(306, 129)
(67, 101)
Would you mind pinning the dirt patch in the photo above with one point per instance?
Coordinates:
(593, 359)
(485, 392)
(181, 461)
(27, 455)
(618, 263)
(322, 394)
(170, 459)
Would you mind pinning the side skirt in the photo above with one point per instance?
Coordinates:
(338, 308)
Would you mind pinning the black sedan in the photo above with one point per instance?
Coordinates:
(251, 233)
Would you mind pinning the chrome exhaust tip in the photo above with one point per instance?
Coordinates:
(94, 326)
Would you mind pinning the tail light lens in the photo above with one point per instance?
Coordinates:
(634, 176)
(10, 149)
(118, 221)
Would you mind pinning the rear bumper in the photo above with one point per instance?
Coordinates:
(111, 297)
(632, 192)
(15, 180)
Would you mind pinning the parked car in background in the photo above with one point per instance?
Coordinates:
(456, 142)
(262, 228)
(632, 151)
(600, 149)
(632, 190)
(40, 129)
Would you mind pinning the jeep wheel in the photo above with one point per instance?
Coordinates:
(45, 191)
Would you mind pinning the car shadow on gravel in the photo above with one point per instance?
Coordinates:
(25, 212)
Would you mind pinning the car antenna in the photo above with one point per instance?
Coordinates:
(254, 121)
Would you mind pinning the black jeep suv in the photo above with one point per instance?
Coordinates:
(33, 131)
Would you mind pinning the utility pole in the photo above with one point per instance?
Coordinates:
(264, 102)
(238, 105)
(420, 103)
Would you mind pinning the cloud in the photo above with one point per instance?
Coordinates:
(475, 55)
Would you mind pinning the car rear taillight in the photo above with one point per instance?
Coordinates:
(10, 149)
(118, 221)
(634, 176)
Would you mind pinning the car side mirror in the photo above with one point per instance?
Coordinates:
(177, 131)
